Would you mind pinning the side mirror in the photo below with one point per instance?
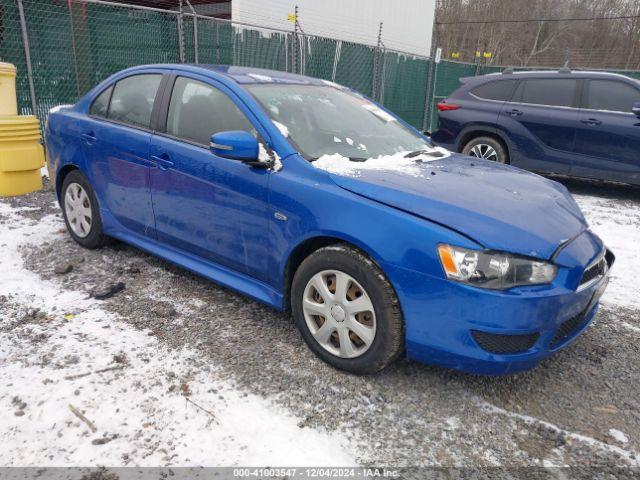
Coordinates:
(237, 145)
(636, 109)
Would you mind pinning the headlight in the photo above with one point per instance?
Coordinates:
(493, 270)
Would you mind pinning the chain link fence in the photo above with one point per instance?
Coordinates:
(71, 45)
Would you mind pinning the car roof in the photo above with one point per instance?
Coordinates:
(240, 75)
(556, 73)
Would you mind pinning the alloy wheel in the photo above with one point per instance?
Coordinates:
(339, 313)
(77, 207)
(482, 150)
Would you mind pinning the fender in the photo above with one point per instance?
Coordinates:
(490, 128)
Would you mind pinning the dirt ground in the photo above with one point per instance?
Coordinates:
(172, 357)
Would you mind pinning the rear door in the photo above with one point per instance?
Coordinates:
(608, 135)
(541, 121)
(116, 139)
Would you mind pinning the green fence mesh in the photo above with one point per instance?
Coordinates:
(76, 44)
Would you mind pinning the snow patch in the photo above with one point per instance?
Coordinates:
(138, 406)
(333, 84)
(283, 128)
(261, 78)
(57, 108)
(264, 156)
(396, 163)
(617, 223)
(618, 435)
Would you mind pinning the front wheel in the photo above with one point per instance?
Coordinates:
(487, 148)
(346, 310)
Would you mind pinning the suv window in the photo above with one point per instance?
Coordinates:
(101, 103)
(554, 92)
(132, 99)
(500, 90)
(611, 95)
(198, 110)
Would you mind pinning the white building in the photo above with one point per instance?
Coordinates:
(407, 24)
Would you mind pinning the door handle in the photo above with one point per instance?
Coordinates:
(162, 161)
(591, 121)
(89, 138)
(514, 112)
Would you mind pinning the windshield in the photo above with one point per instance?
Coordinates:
(325, 120)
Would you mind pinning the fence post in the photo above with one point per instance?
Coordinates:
(218, 42)
(376, 61)
(181, 34)
(294, 50)
(27, 56)
(195, 32)
(429, 91)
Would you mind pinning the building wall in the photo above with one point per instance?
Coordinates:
(407, 24)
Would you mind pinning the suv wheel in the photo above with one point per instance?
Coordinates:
(347, 311)
(487, 148)
(81, 212)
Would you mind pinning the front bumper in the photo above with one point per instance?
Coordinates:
(442, 319)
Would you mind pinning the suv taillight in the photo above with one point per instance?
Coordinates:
(444, 106)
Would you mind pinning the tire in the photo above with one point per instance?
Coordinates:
(367, 284)
(484, 147)
(93, 236)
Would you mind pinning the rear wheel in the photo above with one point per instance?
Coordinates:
(346, 310)
(81, 212)
(487, 148)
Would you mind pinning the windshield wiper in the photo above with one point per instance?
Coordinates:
(353, 159)
(431, 153)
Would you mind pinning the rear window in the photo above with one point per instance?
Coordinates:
(132, 99)
(100, 105)
(611, 95)
(554, 92)
(500, 90)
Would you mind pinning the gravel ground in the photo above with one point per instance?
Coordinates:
(580, 407)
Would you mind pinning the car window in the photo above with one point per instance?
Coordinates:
(555, 92)
(132, 99)
(328, 119)
(198, 110)
(500, 90)
(101, 103)
(611, 95)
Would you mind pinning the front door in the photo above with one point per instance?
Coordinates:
(541, 121)
(212, 207)
(608, 136)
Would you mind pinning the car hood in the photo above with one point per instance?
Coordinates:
(500, 207)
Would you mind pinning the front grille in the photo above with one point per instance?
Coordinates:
(496, 343)
(567, 328)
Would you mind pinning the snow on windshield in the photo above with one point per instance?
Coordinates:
(283, 128)
(397, 163)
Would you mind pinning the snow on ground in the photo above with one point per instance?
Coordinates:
(619, 228)
(140, 403)
(398, 163)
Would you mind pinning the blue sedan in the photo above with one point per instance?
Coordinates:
(309, 197)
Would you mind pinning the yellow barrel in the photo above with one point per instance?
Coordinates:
(21, 155)
(8, 102)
